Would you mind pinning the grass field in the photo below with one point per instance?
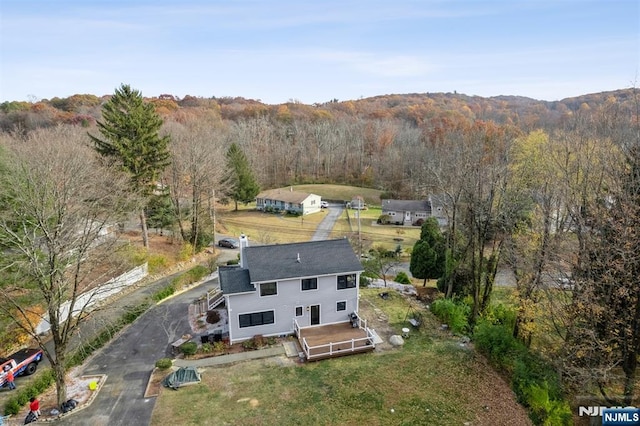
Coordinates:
(342, 192)
(272, 228)
(372, 234)
(431, 380)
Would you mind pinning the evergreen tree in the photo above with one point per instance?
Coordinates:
(428, 255)
(160, 212)
(130, 138)
(241, 183)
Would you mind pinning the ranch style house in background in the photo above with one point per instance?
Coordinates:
(414, 212)
(309, 289)
(275, 200)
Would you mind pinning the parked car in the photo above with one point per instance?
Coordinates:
(324, 205)
(228, 243)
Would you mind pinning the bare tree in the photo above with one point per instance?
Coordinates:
(59, 207)
(197, 165)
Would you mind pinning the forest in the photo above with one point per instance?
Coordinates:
(379, 142)
(549, 190)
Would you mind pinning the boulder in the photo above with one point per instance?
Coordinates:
(396, 340)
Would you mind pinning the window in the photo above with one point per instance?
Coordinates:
(298, 311)
(309, 284)
(268, 289)
(256, 318)
(341, 306)
(346, 281)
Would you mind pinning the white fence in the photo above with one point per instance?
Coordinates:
(86, 301)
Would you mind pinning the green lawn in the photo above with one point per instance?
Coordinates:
(372, 234)
(430, 381)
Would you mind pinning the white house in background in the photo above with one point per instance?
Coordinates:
(414, 212)
(278, 289)
(282, 199)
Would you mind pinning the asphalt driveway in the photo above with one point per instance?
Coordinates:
(128, 361)
(326, 225)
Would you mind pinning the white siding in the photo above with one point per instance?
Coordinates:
(284, 304)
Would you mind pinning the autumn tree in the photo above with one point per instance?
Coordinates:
(197, 163)
(58, 205)
(130, 138)
(241, 185)
(428, 255)
(474, 179)
(602, 348)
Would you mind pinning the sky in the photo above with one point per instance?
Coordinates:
(278, 51)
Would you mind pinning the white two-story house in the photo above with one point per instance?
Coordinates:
(280, 289)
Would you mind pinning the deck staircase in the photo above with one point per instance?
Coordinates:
(214, 298)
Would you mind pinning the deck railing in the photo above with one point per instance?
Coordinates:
(336, 348)
(214, 298)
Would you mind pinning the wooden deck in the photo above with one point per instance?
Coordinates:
(329, 341)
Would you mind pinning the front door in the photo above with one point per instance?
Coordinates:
(407, 216)
(315, 314)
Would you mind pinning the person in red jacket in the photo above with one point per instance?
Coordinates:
(34, 406)
(10, 380)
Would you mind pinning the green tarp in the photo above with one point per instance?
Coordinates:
(181, 377)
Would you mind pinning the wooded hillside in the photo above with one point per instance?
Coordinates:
(377, 142)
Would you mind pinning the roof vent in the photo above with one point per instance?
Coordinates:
(298, 259)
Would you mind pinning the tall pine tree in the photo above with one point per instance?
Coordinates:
(241, 184)
(130, 138)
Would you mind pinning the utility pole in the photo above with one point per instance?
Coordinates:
(359, 233)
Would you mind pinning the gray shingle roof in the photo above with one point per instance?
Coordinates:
(284, 195)
(407, 205)
(277, 262)
(234, 279)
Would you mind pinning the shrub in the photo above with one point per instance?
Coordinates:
(163, 293)
(164, 363)
(197, 273)
(186, 251)
(157, 263)
(258, 340)
(455, 315)
(218, 346)
(384, 219)
(203, 239)
(207, 348)
(545, 409)
(498, 343)
(533, 380)
(213, 316)
(11, 407)
(402, 278)
(364, 281)
(189, 348)
(501, 315)
(249, 344)
(233, 262)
